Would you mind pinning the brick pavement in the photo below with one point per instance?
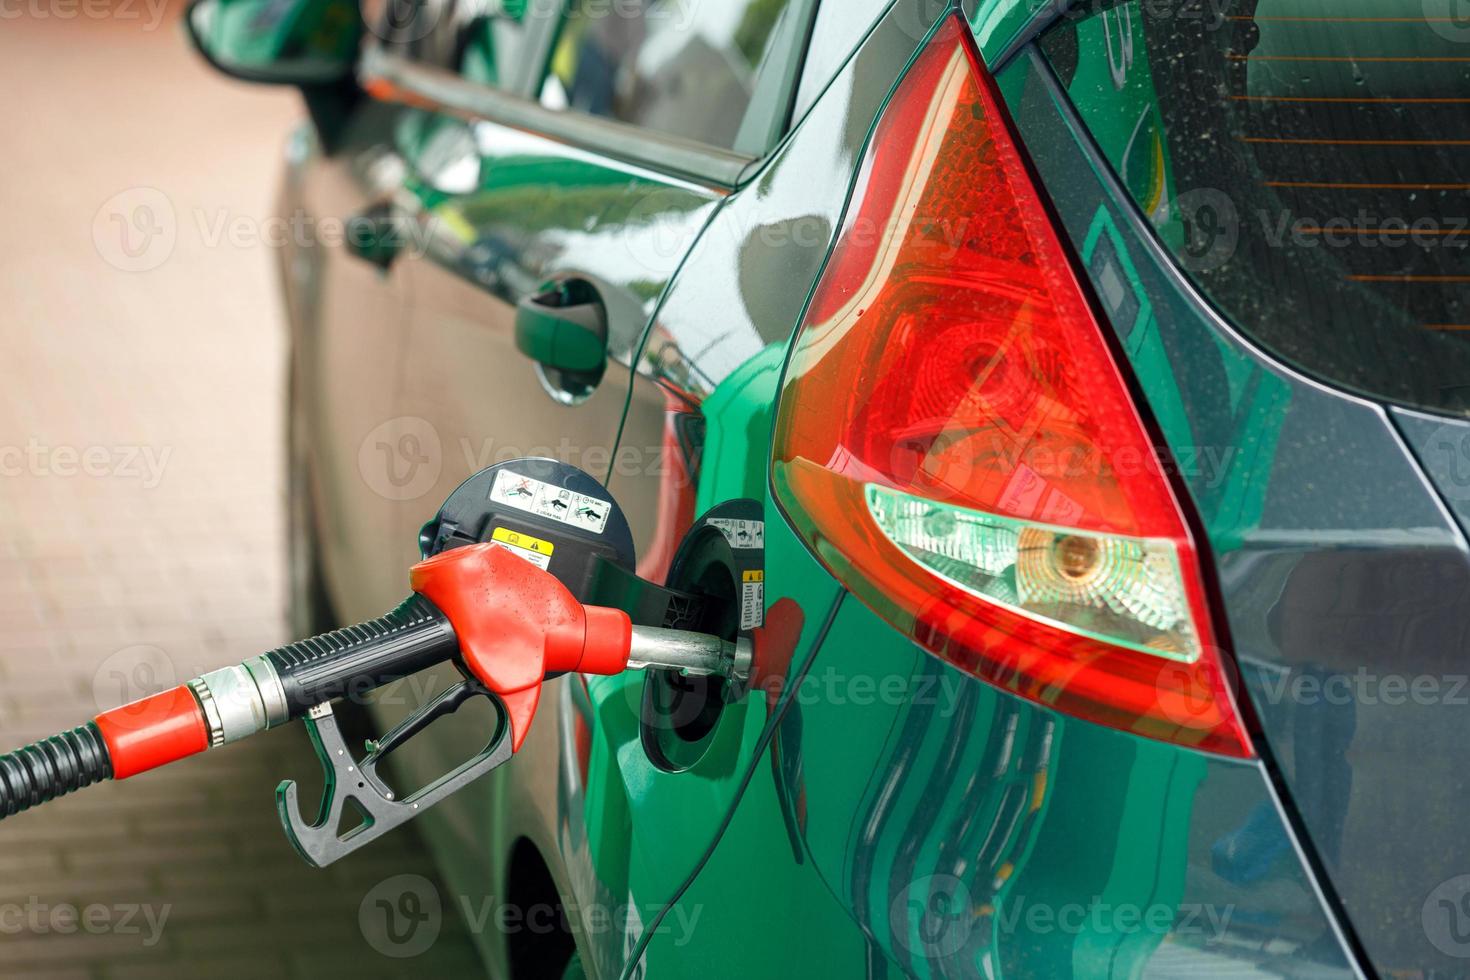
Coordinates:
(161, 553)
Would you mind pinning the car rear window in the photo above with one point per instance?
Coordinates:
(1308, 164)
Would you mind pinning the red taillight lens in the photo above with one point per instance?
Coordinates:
(956, 442)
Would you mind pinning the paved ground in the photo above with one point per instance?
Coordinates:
(141, 510)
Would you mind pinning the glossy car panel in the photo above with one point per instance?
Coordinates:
(543, 212)
(966, 831)
(670, 154)
(350, 335)
(748, 277)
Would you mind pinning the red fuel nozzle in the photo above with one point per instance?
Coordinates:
(516, 624)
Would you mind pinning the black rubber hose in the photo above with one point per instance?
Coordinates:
(353, 661)
(52, 767)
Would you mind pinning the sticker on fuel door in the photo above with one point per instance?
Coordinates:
(533, 550)
(544, 500)
(752, 598)
(748, 535)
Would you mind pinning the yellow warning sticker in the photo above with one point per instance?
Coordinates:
(752, 598)
(533, 550)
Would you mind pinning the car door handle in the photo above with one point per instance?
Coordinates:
(564, 329)
(375, 234)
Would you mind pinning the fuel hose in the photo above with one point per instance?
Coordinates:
(506, 624)
(227, 705)
(52, 767)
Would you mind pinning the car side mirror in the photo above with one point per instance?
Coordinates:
(310, 43)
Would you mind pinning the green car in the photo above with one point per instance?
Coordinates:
(1036, 384)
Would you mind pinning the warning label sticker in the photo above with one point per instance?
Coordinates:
(555, 503)
(534, 550)
(752, 599)
(745, 535)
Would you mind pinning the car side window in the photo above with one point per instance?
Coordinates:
(717, 73)
(482, 40)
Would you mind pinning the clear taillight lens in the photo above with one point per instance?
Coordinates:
(957, 444)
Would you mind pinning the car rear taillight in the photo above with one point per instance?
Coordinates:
(956, 442)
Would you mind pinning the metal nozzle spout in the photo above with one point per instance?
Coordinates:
(691, 653)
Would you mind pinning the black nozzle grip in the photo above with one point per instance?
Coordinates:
(352, 661)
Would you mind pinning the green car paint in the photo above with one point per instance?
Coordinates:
(536, 192)
(998, 24)
(738, 424)
(640, 860)
(646, 860)
(1067, 810)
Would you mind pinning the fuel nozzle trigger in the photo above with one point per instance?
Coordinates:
(347, 779)
(514, 625)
